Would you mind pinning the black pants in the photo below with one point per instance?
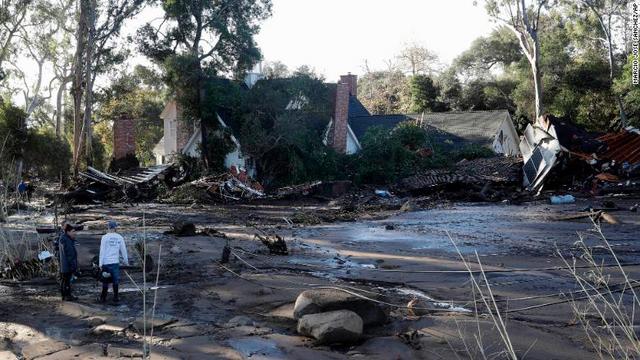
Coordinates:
(65, 284)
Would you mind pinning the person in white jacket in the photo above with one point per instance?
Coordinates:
(112, 247)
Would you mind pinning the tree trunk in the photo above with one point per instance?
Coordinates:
(77, 88)
(623, 115)
(59, 124)
(537, 76)
(88, 97)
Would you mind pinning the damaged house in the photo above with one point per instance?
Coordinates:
(347, 126)
(351, 120)
(182, 137)
(554, 145)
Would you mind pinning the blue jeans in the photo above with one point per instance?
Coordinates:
(114, 270)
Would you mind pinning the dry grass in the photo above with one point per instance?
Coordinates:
(479, 349)
(605, 312)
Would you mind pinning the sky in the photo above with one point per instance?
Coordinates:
(337, 36)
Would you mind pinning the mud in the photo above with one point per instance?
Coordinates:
(244, 309)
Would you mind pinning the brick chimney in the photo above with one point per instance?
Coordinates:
(184, 129)
(124, 137)
(341, 118)
(352, 81)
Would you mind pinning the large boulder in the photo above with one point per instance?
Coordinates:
(342, 326)
(322, 300)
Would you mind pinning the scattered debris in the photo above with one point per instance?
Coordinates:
(298, 190)
(213, 189)
(487, 179)
(182, 228)
(383, 193)
(606, 163)
(411, 338)
(562, 199)
(306, 218)
(275, 244)
(131, 185)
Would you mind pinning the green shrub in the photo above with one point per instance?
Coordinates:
(389, 155)
(472, 151)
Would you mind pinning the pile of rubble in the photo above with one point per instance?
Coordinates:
(214, 189)
(132, 185)
(486, 179)
(557, 152)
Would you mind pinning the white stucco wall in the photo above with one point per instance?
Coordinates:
(169, 115)
(352, 144)
(506, 140)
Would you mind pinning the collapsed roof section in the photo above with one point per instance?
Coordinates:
(549, 138)
(540, 149)
(622, 146)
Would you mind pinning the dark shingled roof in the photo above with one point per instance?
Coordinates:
(356, 108)
(478, 127)
(360, 124)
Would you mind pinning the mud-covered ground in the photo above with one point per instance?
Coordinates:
(243, 310)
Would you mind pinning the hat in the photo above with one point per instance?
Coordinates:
(112, 224)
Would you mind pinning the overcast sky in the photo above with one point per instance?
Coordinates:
(336, 36)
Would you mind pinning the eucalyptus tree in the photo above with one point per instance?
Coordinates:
(602, 17)
(13, 13)
(522, 17)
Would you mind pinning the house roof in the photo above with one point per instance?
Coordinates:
(463, 126)
(622, 146)
(452, 128)
(360, 124)
(356, 108)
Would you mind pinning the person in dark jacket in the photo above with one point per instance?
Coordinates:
(68, 261)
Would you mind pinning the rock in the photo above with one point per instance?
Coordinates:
(389, 227)
(342, 326)
(5, 344)
(8, 355)
(322, 300)
(43, 348)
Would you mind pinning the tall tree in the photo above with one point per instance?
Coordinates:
(416, 59)
(385, 92)
(607, 13)
(523, 20)
(275, 70)
(424, 94)
(99, 23)
(498, 49)
(41, 40)
(12, 15)
(199, 38)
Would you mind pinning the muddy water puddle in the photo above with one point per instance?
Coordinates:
(489, 229)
